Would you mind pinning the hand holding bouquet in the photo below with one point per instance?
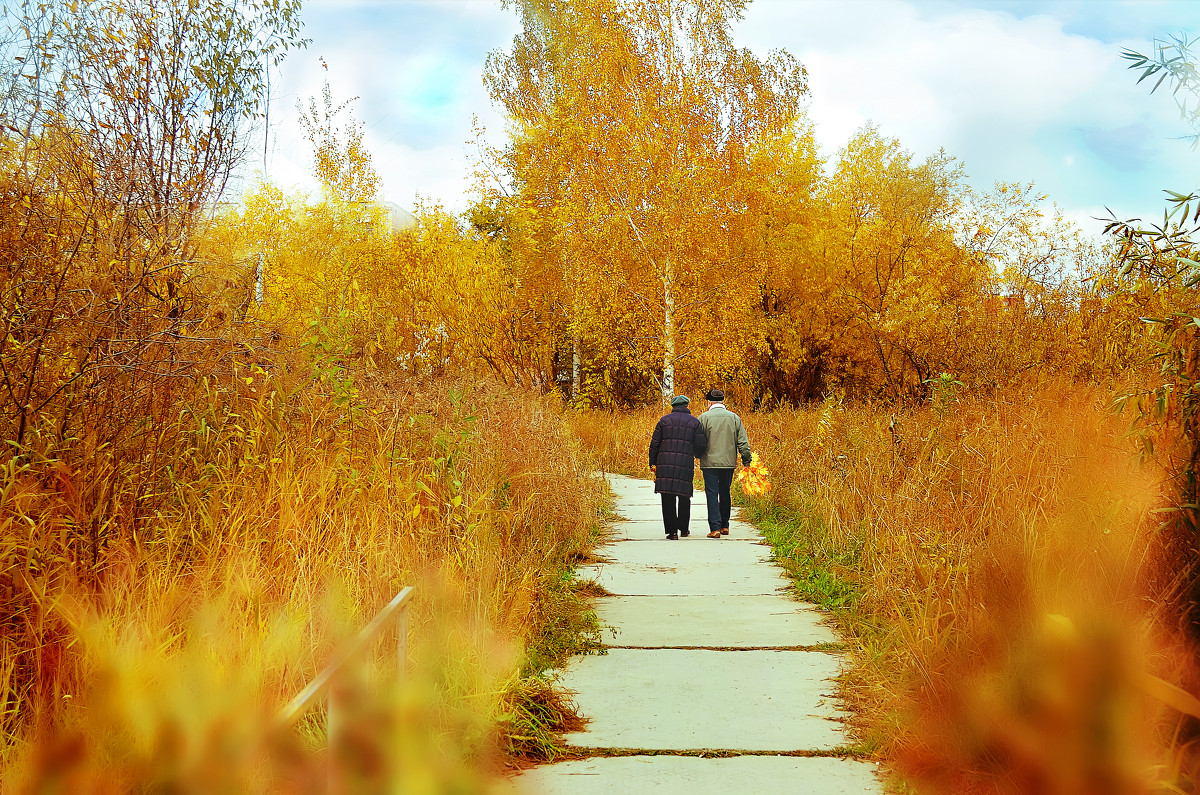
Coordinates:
(754, 477)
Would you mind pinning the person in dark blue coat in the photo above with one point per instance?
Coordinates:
(677, 442)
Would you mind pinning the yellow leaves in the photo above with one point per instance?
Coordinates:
(754, 478)
(1169, 694)
(343, 167)
(425, 297)
(631, 150)
(877, 269)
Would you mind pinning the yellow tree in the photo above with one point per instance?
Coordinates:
(891, 271)
(791, 339)
(526, 220)
(634, 126)
(417, 299)
(447, 290)
(526, 346)
(320, 257)
(340, 160)
(1035, 259)
(903, 293)
(122, 121)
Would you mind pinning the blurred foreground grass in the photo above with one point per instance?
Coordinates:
(285, 516)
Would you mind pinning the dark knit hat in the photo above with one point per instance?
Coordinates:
(714, 396)
(680, 400)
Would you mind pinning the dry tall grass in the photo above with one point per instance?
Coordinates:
(289, 511)
(992, 564)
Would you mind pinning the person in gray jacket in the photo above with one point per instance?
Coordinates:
(726, 441)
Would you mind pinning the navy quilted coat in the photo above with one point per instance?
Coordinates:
(677, 442)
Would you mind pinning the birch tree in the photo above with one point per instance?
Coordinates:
(633, 126)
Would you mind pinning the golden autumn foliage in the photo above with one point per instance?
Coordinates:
(635, 124)
(426, 299)
(787, 280)
(233, 430)
(208, 480)
(1018, 587)
(337, 273)
(993, 564)
(990, 558)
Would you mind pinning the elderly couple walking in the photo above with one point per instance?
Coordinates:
(717, 437)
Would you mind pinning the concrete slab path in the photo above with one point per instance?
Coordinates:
(714, 681)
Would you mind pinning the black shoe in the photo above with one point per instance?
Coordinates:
(685, 533)
(672, 536)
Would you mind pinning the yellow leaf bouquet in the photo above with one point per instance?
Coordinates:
(754, 477)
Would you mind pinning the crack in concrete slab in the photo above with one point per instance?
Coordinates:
(841, 752)
(821, 648)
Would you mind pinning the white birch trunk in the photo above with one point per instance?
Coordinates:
(668, 379)
(258, 279)
(574, 368)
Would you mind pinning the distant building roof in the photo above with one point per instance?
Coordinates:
(401, 218)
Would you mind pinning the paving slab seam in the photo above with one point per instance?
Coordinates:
(819, 648)
(618, 540)
(685, 596)
(844, 752)
(781, 592)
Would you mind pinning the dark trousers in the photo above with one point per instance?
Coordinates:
(677, 512)
(716, 494)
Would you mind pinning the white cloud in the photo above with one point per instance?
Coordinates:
(1042, 96)
(416, 68)
(1014, 98)
(931, 82)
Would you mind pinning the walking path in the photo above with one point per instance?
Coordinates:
(716, 682)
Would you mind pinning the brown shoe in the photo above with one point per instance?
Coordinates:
(715, 534)
(724, 531)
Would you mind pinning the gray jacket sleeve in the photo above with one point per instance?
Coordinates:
(743, 443)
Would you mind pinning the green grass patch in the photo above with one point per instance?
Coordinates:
(798, 544)
(568, 626)
(535, 711)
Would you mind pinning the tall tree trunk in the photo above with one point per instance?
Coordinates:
(258, 279)
(668, 379)
(574, 367)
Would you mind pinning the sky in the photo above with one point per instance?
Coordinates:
(1018, 91)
